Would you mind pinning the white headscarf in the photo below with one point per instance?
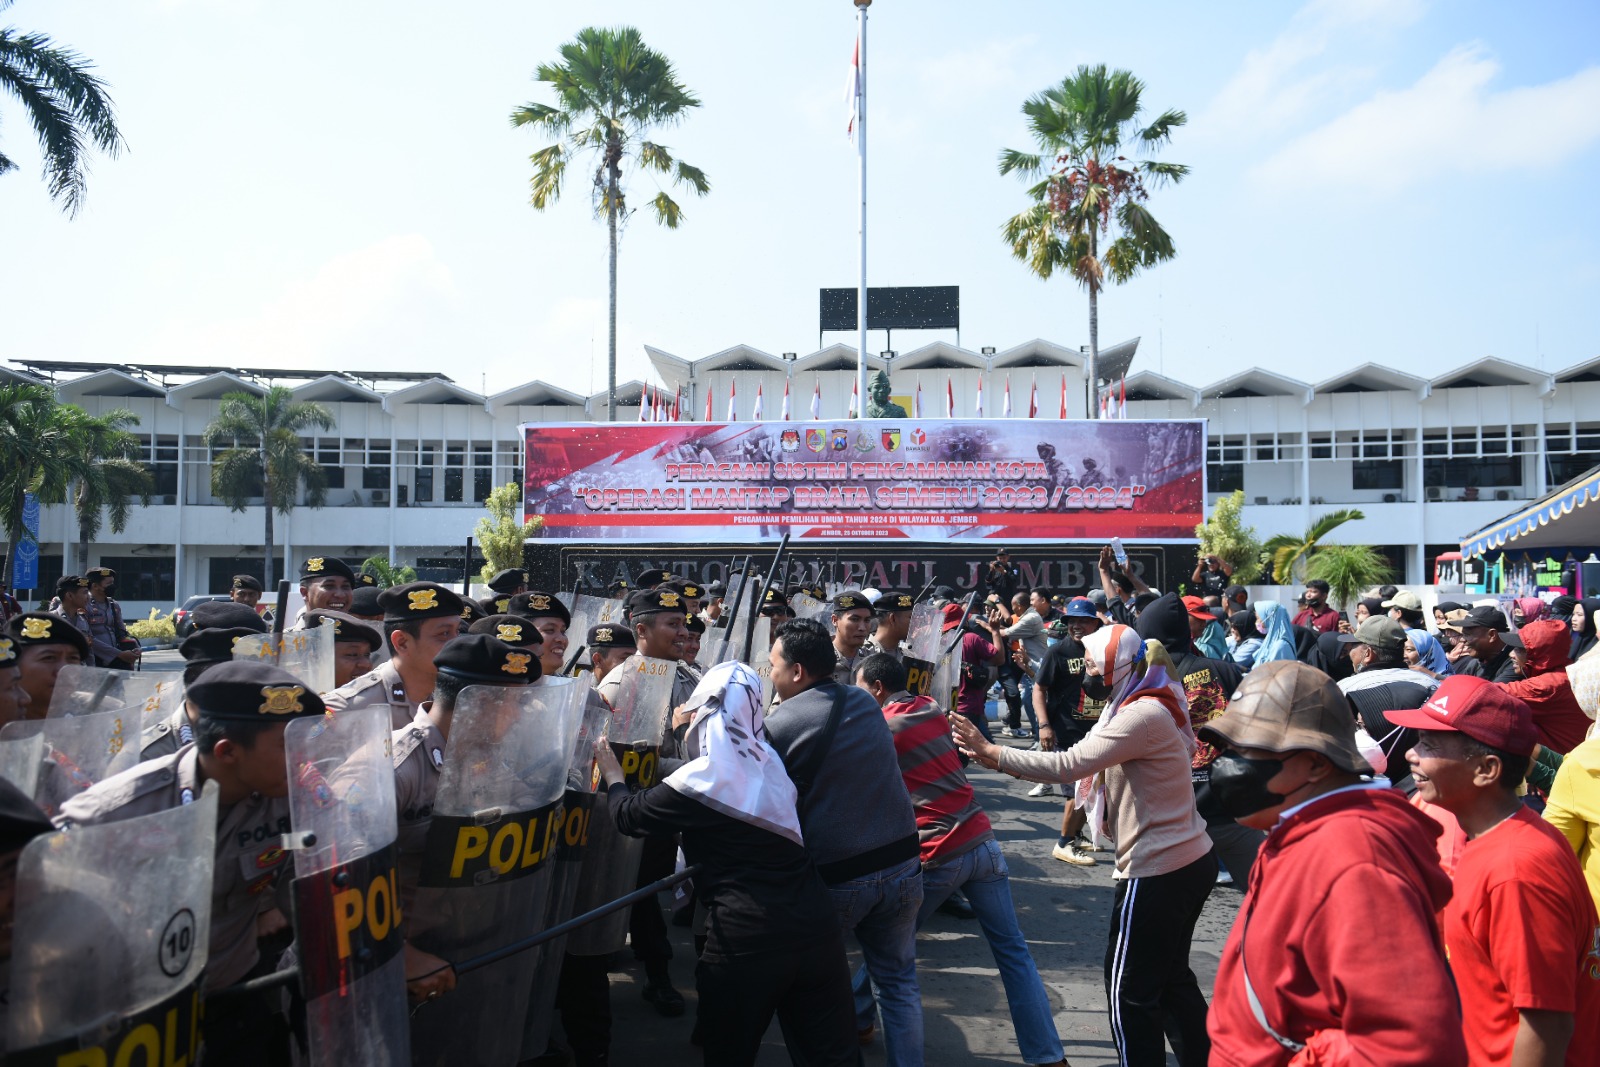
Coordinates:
(732, 768)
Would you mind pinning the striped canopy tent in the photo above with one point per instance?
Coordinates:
(1568, 517)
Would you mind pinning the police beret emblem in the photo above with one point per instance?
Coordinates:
(516, 663)
(83, 583)
(5, 646)
(603, 635)
(538, 601)
(524, 577)
(315, 564)
(502, 605)
(669, 599)
(510, 633)
(338, 627)
(237, 584)
(691, 591)
(35, 629)
(466, 613)
(422, 600)
(281, 699)
(772, 594)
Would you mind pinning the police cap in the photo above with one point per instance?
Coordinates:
(774, 601)
(695, 624)
(249, 691)
(617, 589)
(471, 612)
(246, 581)
(347, 629)
(611, 635)
(366, 579)
(212, 645)
(227, 614)
(850, 600)
(499, 604)
(651, 578)
(364, 602)
(889, 603)
(512, 629)
(537, 604)
(325, 567)
(508, 580)
(690, 590)
(661, 600)
(95, 574)
(69, 583)
(419, 600)
(36, 628)
(20, 818)
(484, 659)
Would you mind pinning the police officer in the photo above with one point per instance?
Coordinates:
(327, 583)
(246, 589)
(14, 699)
(240, 712)
(852, 622)
(72, 599)
(651, 578)
(108, 636)
(551, 618)
(217, 625)
(513, 630)
(505, 585)
(354, 642)
(610, 643)
(364, 604)
(691, 592)
(45, 643)
(711, 614)
(775, 606)
(366, 580)
(471, 612)
(419, 619)
(696, 626)
(418, 751)
(619, 589)
(894, 624)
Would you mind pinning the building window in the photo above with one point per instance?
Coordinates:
(1322, 447)
(455, 458)
(328, 458)
(144, 577)
(1377, 474)
(423, 493)
(164, 468)
(1564, 468)
(482, 472)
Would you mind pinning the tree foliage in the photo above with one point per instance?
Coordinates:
(387, 573)
(104, 492)
(1348, 569)
(1225, 536)
(1290, 554)
(500, 534)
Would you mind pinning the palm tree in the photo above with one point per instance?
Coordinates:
(1348, 569)
(1289, 554)
(264, 456)
(612, 92)
(66, 105)
(41, 452)
(115, 476)
(1085, 188)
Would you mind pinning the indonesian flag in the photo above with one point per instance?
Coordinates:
(661, 407)
(733, 400)
(644, 403)
(1005, 404)
(949, 398)
(1122, 404)
(709, 390)
(1063, 398)
(1105, 405)
(677, 403)
(1033, 399)
(852, 90)
(979, 407)
(855, 400)
(916, 402)
(755, 413)
(785, 416)
(816, 398)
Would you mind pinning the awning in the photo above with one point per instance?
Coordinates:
(1560, 520)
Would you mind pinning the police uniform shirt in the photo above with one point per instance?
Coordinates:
(105, 630)
(870, 647)
(80, 621)
(844, 668)
(379, 686)
(418, 757)
(249, 852)
(166, 736)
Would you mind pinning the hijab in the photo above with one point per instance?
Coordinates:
(1373, 605)
(1334, 656)
(1430, 653)
(1532, 609)
(1213, 641)
(731, 767)
(1277, 640)
(1584, 639)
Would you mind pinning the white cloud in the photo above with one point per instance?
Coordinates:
(1449, 121)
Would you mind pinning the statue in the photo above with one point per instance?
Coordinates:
(879, 405)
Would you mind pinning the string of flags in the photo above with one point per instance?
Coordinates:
(656, 406)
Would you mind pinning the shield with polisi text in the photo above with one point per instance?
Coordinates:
(79, 750)
(639, 712)
(347, 915)
(110, 941)
(947, 673)
(487, 863)
(306, 654)
(921, 650)
(84, 690)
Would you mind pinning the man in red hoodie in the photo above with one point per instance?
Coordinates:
(1540, 650)
(1299, 980)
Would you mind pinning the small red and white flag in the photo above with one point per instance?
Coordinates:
(852, 90)
(1005, 404)
(1122, 403)
(644, 403)
(756, 412)
(979, 406)
(1063, 398)
(785, 416)
(1033, 399)
(709, 390)
(733, 400)
(1105, 405)
(916, 402)
(662, 414)
(855, 400)
(677, 403)
(949, 398)
(816, 399)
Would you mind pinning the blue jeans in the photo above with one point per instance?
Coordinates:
(882, 908)
(981, 874)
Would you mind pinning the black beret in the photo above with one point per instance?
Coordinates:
(691, 590)
(611, 635)
(496, 605)
(8, 653)
(896, 602)
(658, 601)
(508, 580)
(512, 629)
(97, 573)
(250, 691)
(69, 582)
(247, 581)
(419, 600)
(213, 645)
(326, 567)
(364, 601)
(471, 611)
(775, 601)
(617, 588)
(347, 629)
(41, 628)
(653, 577)
(485, 659)
(366, 579)
(225, 614)
(695, 624)
(20, 818)
(537, 604)
(850, 600)
(946, 592)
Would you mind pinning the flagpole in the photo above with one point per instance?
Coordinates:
(861, 146)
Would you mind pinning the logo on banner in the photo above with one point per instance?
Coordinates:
(816, 440)
(790, 440)
(891, 439)
(839, 440)
(918, 437)
(863, 442)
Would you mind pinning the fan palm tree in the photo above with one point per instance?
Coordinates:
(114, 477)
(612, 92)
(1289, 554)
(66, 104)
(264, 456)
(1085, 189)
(1348, 569)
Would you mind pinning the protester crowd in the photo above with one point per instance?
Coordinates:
(1390, 788)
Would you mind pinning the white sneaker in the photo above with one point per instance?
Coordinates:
(1070, 854)
(1043, 789)
(1004, 731)
(1083, 844)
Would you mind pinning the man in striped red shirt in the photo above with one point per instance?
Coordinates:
(959, 851)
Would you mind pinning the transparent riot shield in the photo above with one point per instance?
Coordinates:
(20, 760)
(807, 607)
(760, 658)
(110, 940)
(348, 938)
(729, 643)
(921, 649)
(487, 864)
(577, 811)
(587, 612)
(86, 690)
(79, 750)
(639, 710)
(306, 654)
(947, 673)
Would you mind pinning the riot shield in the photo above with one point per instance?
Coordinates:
(306, 654)
(86, 690)
(589, 611)
(921, 650)
(730, 642)
(947, 673)
(79, 750)
(807, 607)
(760, 658)
(486, 865)
(347, 916)
(639, 711)
(110, 940)
(20, 759)
(577, 810)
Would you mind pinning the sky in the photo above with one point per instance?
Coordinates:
(338, 186)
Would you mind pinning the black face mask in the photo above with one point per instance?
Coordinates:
(1240, 784)
(1095, 687)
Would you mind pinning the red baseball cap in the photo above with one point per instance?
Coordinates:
(1197, 609)
(1475, 707)
(953, 614)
